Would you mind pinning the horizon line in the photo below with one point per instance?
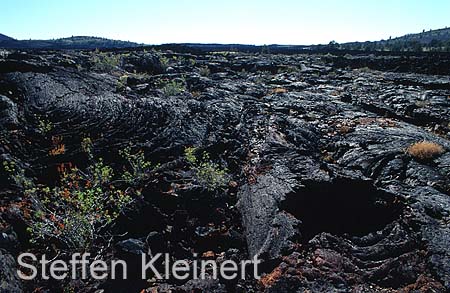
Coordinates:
(218, 43)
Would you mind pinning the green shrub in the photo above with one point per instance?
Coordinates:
(164, 62)
(44, 125)
(17, 174)
(204, 71)
(78, 209)
(74, 211)
(185, 61)
(104, 62)
(138, 166)
(87, 146)
(122, 82)
(173, 88)
(189, 154)
(207, 173)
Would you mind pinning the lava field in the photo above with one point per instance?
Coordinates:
(333, 170)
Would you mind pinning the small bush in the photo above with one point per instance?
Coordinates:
(130, 79)
(122, 82)
(184, 61)
(87, 147)
(104, 62)
(44, 125)
(173, 88)
(204, 71)
(425, 150)
(74, 212)
(138, 166)
(189, 155)
(165, 62)
(207, 173)
(17, 175)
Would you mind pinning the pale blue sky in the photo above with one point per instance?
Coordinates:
(231, 21)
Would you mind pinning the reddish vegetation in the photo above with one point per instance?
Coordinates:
(270, 279)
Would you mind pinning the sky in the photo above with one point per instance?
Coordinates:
(297, 22)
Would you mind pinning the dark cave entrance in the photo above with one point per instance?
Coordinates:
(350, 207)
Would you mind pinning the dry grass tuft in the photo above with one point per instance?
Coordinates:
(278, 90)
(425, 150)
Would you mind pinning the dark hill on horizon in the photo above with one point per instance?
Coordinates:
(5, 38)
(74, 42)
(437, 40)
(426, 37)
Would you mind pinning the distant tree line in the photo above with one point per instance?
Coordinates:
(396, 46)
(426, 41)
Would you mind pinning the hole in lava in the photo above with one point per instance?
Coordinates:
(342, 207)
